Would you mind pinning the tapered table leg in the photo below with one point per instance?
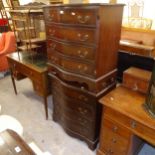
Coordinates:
(13, 82)
(46, 107)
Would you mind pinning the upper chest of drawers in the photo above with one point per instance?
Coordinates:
(72, 15)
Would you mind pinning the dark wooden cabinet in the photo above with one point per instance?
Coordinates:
(82, 45)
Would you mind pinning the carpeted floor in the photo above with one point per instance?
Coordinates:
(27, 107)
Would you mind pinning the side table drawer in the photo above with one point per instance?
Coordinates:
(113, 143)
(136, 127)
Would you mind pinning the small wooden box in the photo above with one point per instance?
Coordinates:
(136, 79)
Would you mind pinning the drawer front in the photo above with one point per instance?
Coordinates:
(136, 127)
(135, 83)
(51, 15)
(73, 92)
(82, 16)
(88, 85)
(112, 143)
(73, 50)
(116, 128)
(75, 107)
(76, 124)
(71, 34)
(71, 65)
(32, 74)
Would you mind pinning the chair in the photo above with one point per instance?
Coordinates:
(7, 45)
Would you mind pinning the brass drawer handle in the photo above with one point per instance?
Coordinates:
(114, 140)
(53, 46)
(110, 152)
(84, 68)
(104, 84)
(83, 20)
(133, 124)
(115, 128)
(135, 88)
(52, 32)
(82, 111)
(50, 17)
(83, 37)
(82, 121)
(54, 59)
(82, 97)
(82, 54)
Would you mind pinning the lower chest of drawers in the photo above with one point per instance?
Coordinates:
(77, 112)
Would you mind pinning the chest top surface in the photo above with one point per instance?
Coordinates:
(130, 104)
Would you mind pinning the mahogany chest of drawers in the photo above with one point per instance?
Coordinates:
(82, 46)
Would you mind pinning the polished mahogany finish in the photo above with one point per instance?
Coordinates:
(137, 79)
(127, 122)
(82, 45)
(21, 66)
(13, 144)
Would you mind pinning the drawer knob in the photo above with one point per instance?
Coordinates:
(82, 88)
(133, 124)
(114, 140)
(82, 54)
(83, 20)
(82, 97)
(115, 128)
(135, 88)
(83, 37)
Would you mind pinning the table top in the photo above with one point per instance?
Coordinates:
(30, 59)
(12, 144)
(130, 104)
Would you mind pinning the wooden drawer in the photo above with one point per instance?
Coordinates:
(71, 65)
(136, 79)
(74, 92)
(147, 133)
(90, 85)
(75, 15)
(73, 50)
(71, 124)
(74, 106)
(113, 143)
(32, 74)
(72, 34)
(15, 69)
(115, 127)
